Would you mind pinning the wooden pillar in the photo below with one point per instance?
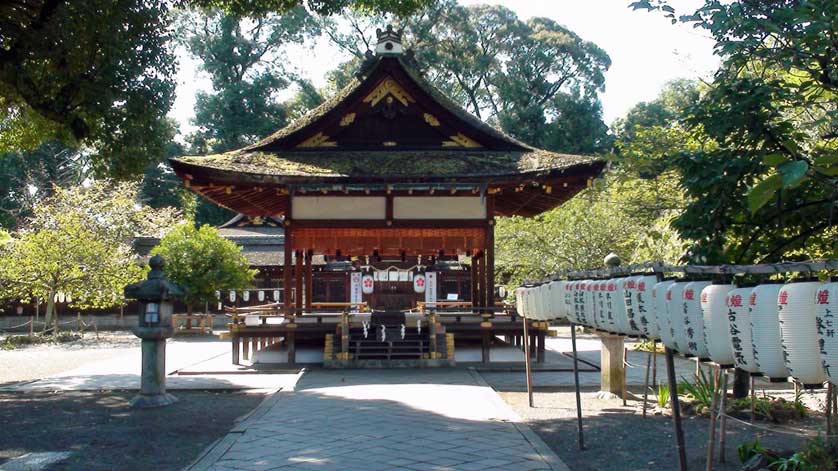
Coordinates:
(236, 348)
(612, 372)
(481, 279)
(539, 352)
(287, 268)
(292, 347)
(486, 345)
(309, 279)
(474, 284)
(490, 253)
(298, 282)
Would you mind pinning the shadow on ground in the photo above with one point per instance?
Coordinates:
(104, 433)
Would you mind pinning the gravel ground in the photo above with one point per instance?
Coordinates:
(33, 362)
(103, 433)
(619, 439)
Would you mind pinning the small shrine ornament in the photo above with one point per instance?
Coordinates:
(419, 283)
(367, 284)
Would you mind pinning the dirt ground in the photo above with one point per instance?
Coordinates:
(618, 438)
(104, 433)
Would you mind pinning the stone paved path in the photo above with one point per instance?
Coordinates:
(446, 419)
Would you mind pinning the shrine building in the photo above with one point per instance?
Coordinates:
(392, 189)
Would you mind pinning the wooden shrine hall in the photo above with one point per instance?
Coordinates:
(393, 179)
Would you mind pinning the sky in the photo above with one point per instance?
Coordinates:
(646, 51)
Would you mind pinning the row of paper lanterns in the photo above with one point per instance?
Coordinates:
(777, 330)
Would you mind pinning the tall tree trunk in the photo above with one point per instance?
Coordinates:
(50, 312)
(189, 316)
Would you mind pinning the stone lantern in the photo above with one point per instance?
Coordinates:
(155, 296)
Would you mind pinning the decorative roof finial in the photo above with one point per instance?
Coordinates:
(389, 42)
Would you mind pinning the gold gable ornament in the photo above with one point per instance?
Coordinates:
(389, 87)
(461, 140)
(318, 140)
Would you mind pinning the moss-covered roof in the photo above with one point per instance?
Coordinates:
(388, 165)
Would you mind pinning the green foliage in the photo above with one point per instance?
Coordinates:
(628, 216)
(78, 242)
(323, 7)
(535, 79)
(244, 60)
(748, 450)
(202, 261)
(28, 177)
(701, 390)
(761, 187)
(97, 72)
(663, 396)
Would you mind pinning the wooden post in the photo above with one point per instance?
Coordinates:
(287, 268)
(245, 349)
(676, 410)
(78, 321)
(298, 282)
(580, 438)
(612, 368)
(292, 347)
(236, 349)
(722, 418)
(711, 441)
(475, 302)
(432, 335)
(527, 360)
(490, 256)
(31, 326)
(646, 382)
(309, 279)
(485, 346)
(539, 351)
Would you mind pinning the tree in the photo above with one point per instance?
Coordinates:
(617, 214)
(202, 262)
(523, 76)
(28, 177)
(100, 73)
(78, 242)
(97, 72)
(244, 58)
(762, 186)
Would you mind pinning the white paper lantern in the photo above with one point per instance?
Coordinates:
(218, 294)
(659, 291)
(616, 298)
(570, 301)
(593, 306)
(532, 303)
(547, 295)
(557, 300)
(605, 310)
(367, 283)
(579, 303)
(826, 308)
(799, 331)
(739, 329)
(245, 295)
(645, 306)
(61, 297)
(519, 301)
(232, 296)
(276, 295)
(675, 311)
(716, 326)
(419, 283)
(694, 319)
(538, 303)
(630, 300)
(765, 331)
(260, 295)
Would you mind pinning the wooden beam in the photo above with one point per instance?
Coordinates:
(474, 285)
(489, 245)
(298, 281)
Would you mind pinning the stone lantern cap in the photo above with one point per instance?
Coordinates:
(156, 287)
(389, 42)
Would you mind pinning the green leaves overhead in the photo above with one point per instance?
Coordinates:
(762, 183)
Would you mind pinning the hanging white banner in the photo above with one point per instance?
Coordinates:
(355, 293)
(419, 283)
(430, 287)
(367, 284)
